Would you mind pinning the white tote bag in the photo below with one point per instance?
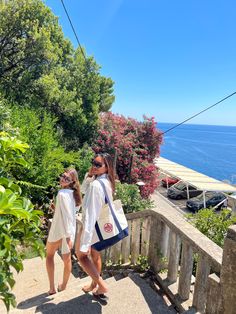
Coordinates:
(111, 226)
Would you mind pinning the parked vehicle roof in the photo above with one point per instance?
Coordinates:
(191, 177)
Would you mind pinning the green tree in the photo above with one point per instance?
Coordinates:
(40, 69)
(31, 43)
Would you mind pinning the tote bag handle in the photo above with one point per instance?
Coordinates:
(107, 200)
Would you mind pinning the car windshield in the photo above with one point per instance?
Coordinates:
(207, 196)
(182, 186)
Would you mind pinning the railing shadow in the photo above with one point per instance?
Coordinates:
(163, 307)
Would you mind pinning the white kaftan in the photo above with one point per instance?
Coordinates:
(64, 220)
(93, 201)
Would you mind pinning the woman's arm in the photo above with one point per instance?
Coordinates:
(88, 179)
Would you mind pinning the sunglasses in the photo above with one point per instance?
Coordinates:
(65, 178)
(97, 164)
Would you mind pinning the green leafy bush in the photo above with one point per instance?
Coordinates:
(46, 157)
(213, 224)
(19, 222)
(142, 263)
(131, 199)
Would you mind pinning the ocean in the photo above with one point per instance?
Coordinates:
(209, 149)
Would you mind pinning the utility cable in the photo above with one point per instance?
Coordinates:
(71, 24)
(197, 114)
(175, 126)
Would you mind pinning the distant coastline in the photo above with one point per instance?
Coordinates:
(210, 149)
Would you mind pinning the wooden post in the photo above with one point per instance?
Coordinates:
(155, 249)
(174, 257)
(135, 241)
(186, 269)
(125, 246)
(146, 225)
(199, 297)
(228, 272)
(214, 300)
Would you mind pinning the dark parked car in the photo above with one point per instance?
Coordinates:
(212, 199)
(179, 190)
(168, 181)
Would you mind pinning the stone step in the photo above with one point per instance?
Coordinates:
(127, 295)
(32, 284)
(74, 289)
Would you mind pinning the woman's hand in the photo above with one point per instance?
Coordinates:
(91, 172)
(87, 253)
(83, 254)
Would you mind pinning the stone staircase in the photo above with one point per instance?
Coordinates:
(130, 294)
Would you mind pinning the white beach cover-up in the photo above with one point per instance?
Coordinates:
(64, 220)
(93, 201)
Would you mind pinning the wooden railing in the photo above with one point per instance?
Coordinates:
(137, 243)
(174, 248)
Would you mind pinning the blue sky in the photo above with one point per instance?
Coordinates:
(169, 59)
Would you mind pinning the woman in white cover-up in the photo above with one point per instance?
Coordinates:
(63, 227)
(93, 201)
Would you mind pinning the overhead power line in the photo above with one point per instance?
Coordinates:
(175, 126)
(200, 112)
(71, 24)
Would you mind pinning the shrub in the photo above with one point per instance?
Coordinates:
(213, 225)
(46, 158)
(134, 145)
(131, 199)
(19, 222)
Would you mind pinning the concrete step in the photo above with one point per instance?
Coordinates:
(126, 295)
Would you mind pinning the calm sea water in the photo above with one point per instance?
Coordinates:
(209, 149)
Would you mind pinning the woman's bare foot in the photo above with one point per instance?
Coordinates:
(89, 288)
(60, 288)
(51, 292)
(100, 293)
(100, 290)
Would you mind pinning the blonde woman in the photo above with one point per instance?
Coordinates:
(62, 232)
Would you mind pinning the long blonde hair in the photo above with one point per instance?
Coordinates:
(75, 186)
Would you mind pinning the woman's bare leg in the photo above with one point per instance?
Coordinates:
(92, 285)
(92, 268)
(51, 249)
(96, 258)
(89, 267)
(67, 271)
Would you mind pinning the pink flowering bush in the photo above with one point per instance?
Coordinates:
(130, 141)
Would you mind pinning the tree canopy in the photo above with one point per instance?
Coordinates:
(41, 69)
